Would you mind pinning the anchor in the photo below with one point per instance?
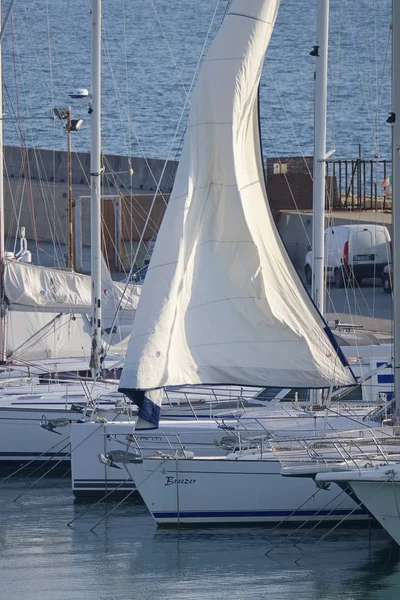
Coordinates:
(51, 425)
(119, 456)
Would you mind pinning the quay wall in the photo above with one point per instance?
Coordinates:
(36, 190)
(36, 195)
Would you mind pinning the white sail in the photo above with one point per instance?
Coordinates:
(222, 302)
(28, 286)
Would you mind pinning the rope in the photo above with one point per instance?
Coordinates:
(169, 48)
(306, 521)
(23, 147)
(166, 162)
(359, 505)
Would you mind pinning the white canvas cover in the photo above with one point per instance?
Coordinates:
(222, 302)
(53, 290)
(37, 336)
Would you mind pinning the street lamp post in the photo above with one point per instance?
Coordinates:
(64, 114)
(70, 224)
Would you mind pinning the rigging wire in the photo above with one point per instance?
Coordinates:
(23, 147)
(169, 49)
(170, 150)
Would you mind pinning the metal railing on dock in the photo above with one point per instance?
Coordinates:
(359, 184)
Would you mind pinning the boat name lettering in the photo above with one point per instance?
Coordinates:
(172, 480)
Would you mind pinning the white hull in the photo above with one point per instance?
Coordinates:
(382, 501)
(23, 440)
(91, 478)
(378, 489)
(207, 491)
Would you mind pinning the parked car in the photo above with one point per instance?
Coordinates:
(353, 253)
(138, 277)
(387, 279)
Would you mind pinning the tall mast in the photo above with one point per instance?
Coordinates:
(321, 84)
(320, 51)
(395, 119)
(95, 188)
(2, 307)
(3, 25)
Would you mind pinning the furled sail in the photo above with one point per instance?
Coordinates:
(28, 286)
(222, 302)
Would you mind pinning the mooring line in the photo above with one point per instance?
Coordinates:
(33, 460)
(52, 458)
(40, 478)
(92, 505)
(119, 503)
(359, 505)
(280, 523)
(303, 523)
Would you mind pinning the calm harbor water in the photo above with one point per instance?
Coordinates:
(41, 558)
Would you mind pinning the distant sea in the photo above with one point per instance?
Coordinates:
(151, 49)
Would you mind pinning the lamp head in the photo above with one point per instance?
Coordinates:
(76, 124)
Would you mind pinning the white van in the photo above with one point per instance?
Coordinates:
(353, 252)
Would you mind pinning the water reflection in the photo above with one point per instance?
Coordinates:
(128, 556)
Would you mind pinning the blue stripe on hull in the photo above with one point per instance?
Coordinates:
(102, 487)
(255, 513)
(35, 455)
(51, 467)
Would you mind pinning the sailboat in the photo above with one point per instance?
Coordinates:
(43, 321)
(223, 305)
(222, 302)
(88, 441)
